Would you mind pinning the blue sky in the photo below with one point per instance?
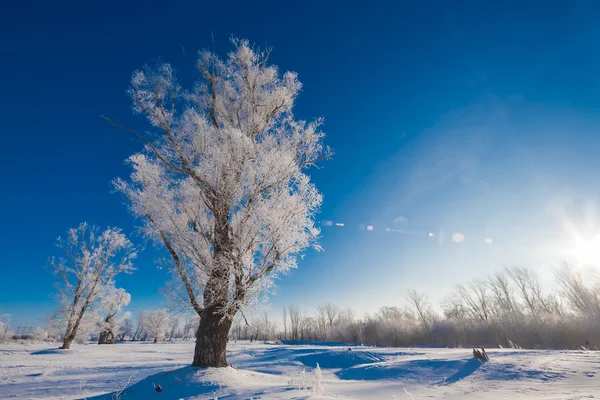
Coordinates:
(458, 117)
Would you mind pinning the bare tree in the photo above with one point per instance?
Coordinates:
(173, 326)
(331, 312)
(309, 328)
(420, 304)
(284, 323)
(453, 308)
(505, 303)
(321, 322)
(223, 187)
(91, 262)
(530, 290)
(190, 326)
(580, 297)
(294, 312)
(236, 328)
(265, 329)
(139, 327)
(475, 298)
(394, 323)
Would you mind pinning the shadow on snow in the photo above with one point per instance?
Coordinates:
(176, 384)
(339, 359)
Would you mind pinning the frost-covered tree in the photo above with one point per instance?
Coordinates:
(157, 323)
(139, 331)
(113, 300)
(4, 327)
(126, 328)
(90, 263)
(221, 184)
(173, 327)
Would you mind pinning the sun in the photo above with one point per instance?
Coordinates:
(586, 251)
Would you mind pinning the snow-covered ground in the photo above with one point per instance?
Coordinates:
(265, 371)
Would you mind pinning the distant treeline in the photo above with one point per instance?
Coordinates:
(510, 308)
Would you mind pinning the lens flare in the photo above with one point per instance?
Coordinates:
(458, 237)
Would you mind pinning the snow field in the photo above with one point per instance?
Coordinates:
(267, 371)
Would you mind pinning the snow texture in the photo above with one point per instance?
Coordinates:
(269, 371)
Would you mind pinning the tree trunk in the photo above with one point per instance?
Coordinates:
(106, 337)
(211, 340)
(211, 337)
(70, 335)
(67, 342)
(73, 327)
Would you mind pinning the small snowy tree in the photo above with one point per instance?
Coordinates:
(157, 323)
(91, 262)
(317, 386)
(126, 329)
(222, 186)
(113, 300)
(4, 327)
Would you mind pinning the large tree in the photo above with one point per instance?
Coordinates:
(221, 184)
(90, 263)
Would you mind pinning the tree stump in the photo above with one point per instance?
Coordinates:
(481, 355)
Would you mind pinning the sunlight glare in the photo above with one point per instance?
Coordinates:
(586, 251)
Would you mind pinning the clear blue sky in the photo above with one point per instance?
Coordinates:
(459, 117)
